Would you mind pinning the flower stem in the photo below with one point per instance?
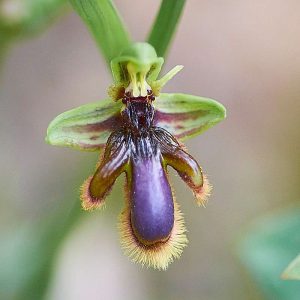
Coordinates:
(105, 24)
(165, 25)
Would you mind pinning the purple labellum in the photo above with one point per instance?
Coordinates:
(152, 227)
(152, 207)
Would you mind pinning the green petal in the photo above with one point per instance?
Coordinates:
(86, 127)
(185, 116)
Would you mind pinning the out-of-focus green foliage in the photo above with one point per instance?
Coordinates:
(22, 18)
(293, 270)
(267, 248)
(27, 252)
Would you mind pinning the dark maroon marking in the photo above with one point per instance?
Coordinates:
(152, 207)
(145, 99)
(127, 97)
(111, 124)
(94, 137)
(139, 99)
(171, 117)
(178, 117)
(189, 132)
(87, 146)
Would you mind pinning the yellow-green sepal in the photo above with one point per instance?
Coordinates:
(141, 59)
(185, 116)
(86, 127)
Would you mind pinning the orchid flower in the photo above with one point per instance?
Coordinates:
(141, 131)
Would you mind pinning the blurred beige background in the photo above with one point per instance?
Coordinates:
(246, 54)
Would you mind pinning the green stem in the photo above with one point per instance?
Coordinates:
(165, 25)
(104, 22)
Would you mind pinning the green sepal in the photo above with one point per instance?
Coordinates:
(185, 116)
(86, 127)
(142, 59)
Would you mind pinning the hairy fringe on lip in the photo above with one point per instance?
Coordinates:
(203, 193)
(87, 202)
(159, 255)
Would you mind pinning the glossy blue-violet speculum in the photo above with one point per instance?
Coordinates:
(152, 217)
(140, 129)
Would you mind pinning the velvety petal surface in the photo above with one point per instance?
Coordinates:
(185, 116)
(86, 127)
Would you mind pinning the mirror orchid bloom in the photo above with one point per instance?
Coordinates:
(141, 131)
